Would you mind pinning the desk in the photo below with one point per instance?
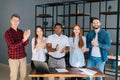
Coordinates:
(73, 72)
(113, 57)
(113, 70)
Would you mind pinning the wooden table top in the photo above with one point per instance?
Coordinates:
(72, 72)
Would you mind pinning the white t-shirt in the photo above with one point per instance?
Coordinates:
(96, 49)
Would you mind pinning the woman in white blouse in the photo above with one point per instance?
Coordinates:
(38, 46)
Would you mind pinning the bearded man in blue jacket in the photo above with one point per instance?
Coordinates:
(98, 41)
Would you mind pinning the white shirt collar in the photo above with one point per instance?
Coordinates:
(58, 36)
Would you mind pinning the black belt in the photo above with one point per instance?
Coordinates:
(57, 58)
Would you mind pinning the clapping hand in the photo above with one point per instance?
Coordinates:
(42, 44)
(83, 49)
(65, 49)
(74, 48)
(57, 47)
(94, 42)
(26, 35)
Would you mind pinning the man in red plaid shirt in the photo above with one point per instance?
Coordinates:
(16, 41)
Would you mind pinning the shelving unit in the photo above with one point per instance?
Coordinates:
(55, 15)
(42, 18)
(79, 12)
(117, 43)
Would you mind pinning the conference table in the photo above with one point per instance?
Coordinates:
(72, 72)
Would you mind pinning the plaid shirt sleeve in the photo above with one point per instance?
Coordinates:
(26, 42)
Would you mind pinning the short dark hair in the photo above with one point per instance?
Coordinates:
(15, 15)
(93, 18)
(58, 24)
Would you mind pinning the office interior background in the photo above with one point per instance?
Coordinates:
(26, 9)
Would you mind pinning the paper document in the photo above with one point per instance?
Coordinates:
(87, 71)
(62, 70)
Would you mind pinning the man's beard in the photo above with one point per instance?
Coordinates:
(96, 27)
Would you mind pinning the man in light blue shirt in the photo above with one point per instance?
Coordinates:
(57, 45)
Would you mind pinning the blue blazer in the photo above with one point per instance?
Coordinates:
(103, 40)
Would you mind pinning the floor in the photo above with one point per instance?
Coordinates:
(4, 73)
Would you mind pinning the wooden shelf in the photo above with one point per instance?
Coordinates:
(78, 14)
(109, 13)
(97, 0)
(113, 57)
(111, 72)
(67, 27)
(54, 4)
(111, 28)
(44, 15)
(86, 30)
(49, 29)
(114, 43)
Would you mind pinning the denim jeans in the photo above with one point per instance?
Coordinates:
(95, 62)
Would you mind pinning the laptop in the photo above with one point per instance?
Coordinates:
(42, 67)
